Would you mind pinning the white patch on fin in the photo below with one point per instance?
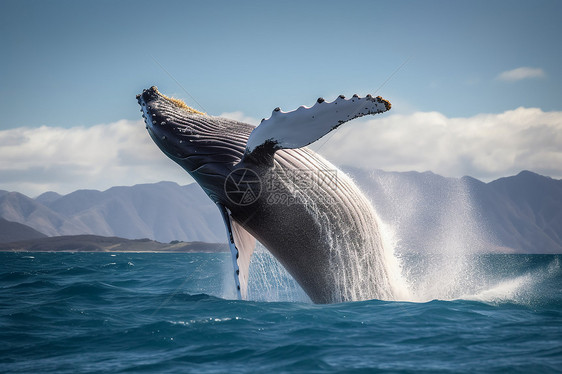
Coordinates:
(242, 245)
(245, 243)
(304, 126)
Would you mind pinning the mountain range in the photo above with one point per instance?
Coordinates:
(517, 214)
(13, 232)
(162, 211)
(94, 243)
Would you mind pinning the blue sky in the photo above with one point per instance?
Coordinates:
(79, 64)
(69, 63)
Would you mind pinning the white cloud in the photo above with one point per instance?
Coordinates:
(35, 160)
(239, 116)
(485, 146)
(521, 73)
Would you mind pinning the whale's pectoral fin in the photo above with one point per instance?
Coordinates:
(304, 126)
(242, 246)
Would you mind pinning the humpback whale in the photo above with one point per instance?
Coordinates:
(269, 187)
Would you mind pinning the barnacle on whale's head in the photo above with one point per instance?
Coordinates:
(153, 92)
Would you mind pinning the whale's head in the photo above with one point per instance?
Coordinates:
(207, 147)
(170, 123)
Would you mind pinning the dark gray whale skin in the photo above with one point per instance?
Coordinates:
(304, 241)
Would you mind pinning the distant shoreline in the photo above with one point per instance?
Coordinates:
(94, 243)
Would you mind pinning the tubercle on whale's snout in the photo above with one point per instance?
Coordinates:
(148, 94)
(153, 94)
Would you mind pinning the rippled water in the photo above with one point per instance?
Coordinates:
(174, 313)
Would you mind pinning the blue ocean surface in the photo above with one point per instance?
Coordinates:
(177, 313)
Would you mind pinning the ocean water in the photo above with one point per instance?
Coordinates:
(176, 313)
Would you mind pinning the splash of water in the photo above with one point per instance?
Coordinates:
(509, 290)
(269, 281)
(445, 260)
(448, 265)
